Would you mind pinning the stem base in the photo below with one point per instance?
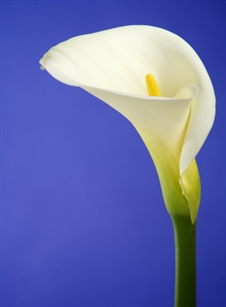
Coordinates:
(185, 248)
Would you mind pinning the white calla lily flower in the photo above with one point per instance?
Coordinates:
(113, 64)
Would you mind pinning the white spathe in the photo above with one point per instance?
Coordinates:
(112, 66)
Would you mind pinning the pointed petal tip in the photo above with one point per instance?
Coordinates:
(41, 62)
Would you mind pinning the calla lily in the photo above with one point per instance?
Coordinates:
(112, 65)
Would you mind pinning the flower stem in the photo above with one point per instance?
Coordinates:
(185, 243)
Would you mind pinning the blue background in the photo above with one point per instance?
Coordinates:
(83, 220)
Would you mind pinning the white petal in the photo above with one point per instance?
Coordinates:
(112, 65)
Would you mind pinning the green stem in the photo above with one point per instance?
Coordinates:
(185, 243)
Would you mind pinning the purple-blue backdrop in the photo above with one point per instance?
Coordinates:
(83, 220)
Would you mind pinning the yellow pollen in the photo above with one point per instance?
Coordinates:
(152, 86)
